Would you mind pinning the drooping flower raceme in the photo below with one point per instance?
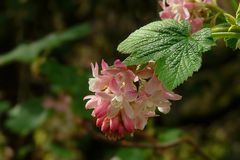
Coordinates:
(124, 98)
(193, 11)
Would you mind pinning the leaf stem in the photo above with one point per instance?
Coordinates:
(215, 8)
(220, 29)
(219, 35)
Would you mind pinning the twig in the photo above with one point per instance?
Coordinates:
(167, 145)
(155, 146)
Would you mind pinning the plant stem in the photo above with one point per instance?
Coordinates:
(220, 29)
(215, 8)
(219, 35)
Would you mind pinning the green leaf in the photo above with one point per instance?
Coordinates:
(153, 41)
(230, 19)
(177, 53)
(231, 42)
(26, 117)
(28, 52)
(238, 15)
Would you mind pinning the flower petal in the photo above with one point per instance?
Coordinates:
(164, 109)
(104, 65)
(140, 122)
(119, 64)
(128, 109)
(101, 110)
(114, 124)
(91, 104)
(128, 123)
(94, 69)
(114, 87)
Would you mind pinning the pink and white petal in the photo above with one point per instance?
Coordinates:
(101, 110)
(128, 109)
(89, 97)
(168, 94)
(131, 95)
(152, 85)
(92, 84)
(99, 121)
(104, 96)
(113, 111)
(114, 87)
(197, 24)
(105, 126)
(119, 64)
(146, 73)
(127, 122)
(160, 102)
(188, 5)
(162, 3)
(140, 122)
(91, 104)
(164, 109)
(121, 130)
(114, 124)
(104, 65)
(151, 114)
(95, 69)
(185, 14)
(171, 96)
(166, 14)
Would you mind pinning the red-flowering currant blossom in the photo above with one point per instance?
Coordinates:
(190, 10)
(125, 98)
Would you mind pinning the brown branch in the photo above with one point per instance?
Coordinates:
(167, 145)
(152, 145)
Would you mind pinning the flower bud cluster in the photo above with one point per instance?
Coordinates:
(125, 97)
(193, 11)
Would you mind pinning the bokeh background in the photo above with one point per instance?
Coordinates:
(46, 48)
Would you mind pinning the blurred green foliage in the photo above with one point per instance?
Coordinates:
(131, 154)
(67, 79)
(28, 52)
(170, 134)
(31, 112)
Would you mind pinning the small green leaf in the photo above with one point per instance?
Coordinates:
(230, 19)
(177, 53)
(238, 15)
(231, 42)
(26, 117)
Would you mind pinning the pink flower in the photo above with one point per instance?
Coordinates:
(191, 11)
(175, 9)
(124, 98)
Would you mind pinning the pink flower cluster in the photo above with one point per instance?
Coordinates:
(192, 10)
(125, 98)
